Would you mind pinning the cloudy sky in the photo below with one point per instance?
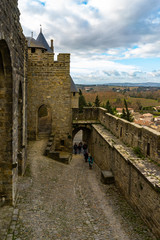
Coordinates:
(109, 40)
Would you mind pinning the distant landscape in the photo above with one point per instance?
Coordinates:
(138, 97)
(126, 84)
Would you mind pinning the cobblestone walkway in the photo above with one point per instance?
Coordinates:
(68, 202)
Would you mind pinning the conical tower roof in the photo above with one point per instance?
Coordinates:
(32, 43)
(43, 41)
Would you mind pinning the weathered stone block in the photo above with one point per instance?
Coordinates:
(107, 177)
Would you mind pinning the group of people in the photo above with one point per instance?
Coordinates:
(78, 148)
(83, 147)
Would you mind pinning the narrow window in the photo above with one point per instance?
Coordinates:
(116, 125)
(62, 142)
(33, 50)
(148, 149)
(74, 93)
(121, 132)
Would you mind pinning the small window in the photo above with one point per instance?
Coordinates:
(121, 132)
(148, 149)
(42, 51)
(33, 50)
(62, 142)
(74, 93)
(116, 125)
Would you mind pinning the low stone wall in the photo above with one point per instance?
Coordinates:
(147, 139)
(86, 114)
(138, 179)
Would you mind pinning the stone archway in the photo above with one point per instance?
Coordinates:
(5, 122)
(44, 120)
(86, 135)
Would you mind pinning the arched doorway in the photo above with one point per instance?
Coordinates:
(78, 137)
(81, 134)
(5, 122)
(20, 129)
(44, 120)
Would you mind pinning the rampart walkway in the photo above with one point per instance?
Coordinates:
(68, 202)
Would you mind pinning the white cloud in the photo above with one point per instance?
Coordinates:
(97, 32)
(147, 50)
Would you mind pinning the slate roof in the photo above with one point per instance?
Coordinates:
(43, 41)
(73, 86)
(32, 43)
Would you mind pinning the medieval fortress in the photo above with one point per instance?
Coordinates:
(38, 98)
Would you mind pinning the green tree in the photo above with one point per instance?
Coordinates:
(82, 101)
(80, 92)
(126, 114)
(89, 104)
(109, 108)
(123, 115)
(97, 102)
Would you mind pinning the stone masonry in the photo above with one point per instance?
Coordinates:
(49, 84)
(12, 100)
(137, 178)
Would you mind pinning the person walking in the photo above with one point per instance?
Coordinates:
(79, 147)
(86, 156)
(75, 148)
(90, 161)
(85, 148)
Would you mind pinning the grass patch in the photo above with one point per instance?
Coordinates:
(138, 152)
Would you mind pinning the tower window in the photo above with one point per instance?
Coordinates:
(62, 142)
(33, 50)
(74, 93)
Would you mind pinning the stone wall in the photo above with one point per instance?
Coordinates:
(86, 114)
(12, 76)
(133, 135)
(147, 139)
(111, 143)
(49, 84)
(138, 179)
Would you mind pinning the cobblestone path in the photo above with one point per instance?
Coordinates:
(59, 202)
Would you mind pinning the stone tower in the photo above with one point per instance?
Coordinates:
(51, 93)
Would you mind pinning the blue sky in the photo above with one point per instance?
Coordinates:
(109, 41)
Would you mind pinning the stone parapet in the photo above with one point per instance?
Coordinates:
(138, 179)
(85, 114)
(147, 139)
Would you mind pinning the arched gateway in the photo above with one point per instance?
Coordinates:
(86, 133)
(5, 121)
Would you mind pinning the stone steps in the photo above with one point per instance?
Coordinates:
(61, 155)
